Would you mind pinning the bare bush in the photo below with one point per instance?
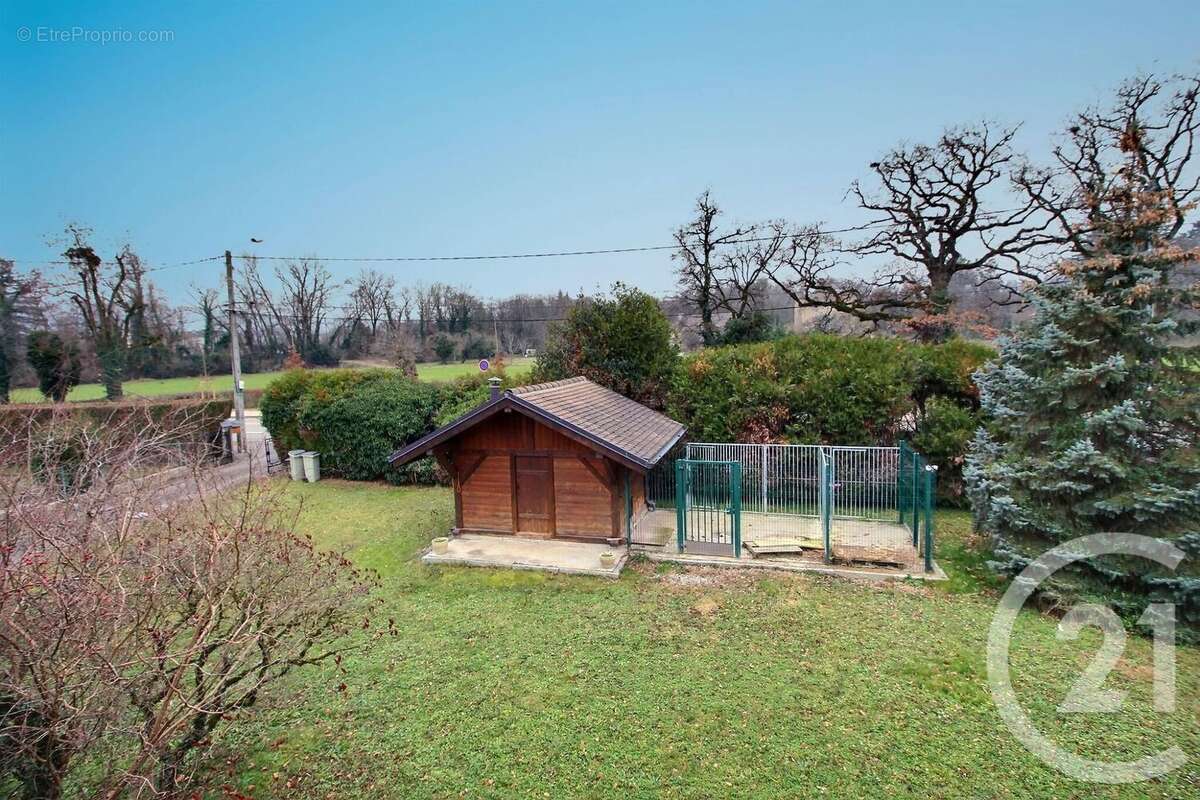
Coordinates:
(138, 614)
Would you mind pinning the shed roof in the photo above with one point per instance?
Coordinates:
(627, 430)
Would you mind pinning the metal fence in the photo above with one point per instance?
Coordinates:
(864, 504)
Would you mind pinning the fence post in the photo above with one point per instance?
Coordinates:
(916, 495)
(827, 513)
(930, 473)
(900, 482)
(735, 506)
(764, 479)
(680, 502)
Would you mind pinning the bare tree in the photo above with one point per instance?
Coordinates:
(744, 268)
(209, 303)
(1143, 142)
(105, 301)
(372, 296)
(306, 291)
(263, 336)
(697, 265)
(939, 211)
(938, 207)
(398, 308)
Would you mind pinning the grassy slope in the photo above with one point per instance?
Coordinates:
(505, 684)
(224, 383)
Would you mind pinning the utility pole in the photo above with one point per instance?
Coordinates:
(235, 356)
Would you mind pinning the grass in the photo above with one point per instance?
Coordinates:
(661, 684)
(259, 380)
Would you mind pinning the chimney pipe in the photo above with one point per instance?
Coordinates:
(494, 383)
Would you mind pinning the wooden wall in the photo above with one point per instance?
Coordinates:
(588, 490)
(486, 496)
(583, 504)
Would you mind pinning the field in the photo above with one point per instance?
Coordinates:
(224, 383)
(691, 684)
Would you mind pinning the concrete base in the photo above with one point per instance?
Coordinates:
(791, 565)
(546, 555)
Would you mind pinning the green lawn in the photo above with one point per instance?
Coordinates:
(701, 684)
(224, 383)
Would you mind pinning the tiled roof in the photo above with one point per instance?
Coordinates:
(630, 432)
(601, 413)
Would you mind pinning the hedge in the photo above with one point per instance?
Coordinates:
(197, 421)
(798, 389)
(820, 389)
(355, 418)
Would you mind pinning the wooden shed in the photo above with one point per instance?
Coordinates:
(565, 459)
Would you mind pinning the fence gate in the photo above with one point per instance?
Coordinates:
(708, 507)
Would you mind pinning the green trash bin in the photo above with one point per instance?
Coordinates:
(312, 466)
(296, 464)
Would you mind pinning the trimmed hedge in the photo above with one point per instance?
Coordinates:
(820, 389)
(355, 418)
(799, 389)
(198, 421)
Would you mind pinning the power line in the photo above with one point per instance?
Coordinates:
(505, 256)
(65, 262)
(548, 254)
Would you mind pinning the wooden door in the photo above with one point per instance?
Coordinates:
(533, 479)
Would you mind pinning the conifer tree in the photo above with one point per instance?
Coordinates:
(1094, 407)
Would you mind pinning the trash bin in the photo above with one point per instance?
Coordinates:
(295, 464)
(312, 466)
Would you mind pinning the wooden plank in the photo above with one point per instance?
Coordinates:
(583, 505)
(553, 497)
(618, 507)
(523, 451)
(755, 548)
(487, 497)
(512, 471)
(470, 465)
(458, 502)
(534, 494)
(600, 471)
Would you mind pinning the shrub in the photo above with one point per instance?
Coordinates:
(943, 435)
(56, 363)
(948, 370)
(476, 347)
(835, 390)
(353, 418)
(759, 326)
(622, 342)
(801, 389)
(356, 433)
(443, 347)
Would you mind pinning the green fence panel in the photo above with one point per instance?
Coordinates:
(930, 483)
(826, 493)
(735, 505)
(680, 502)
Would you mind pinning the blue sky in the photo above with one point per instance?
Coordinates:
(453, 128)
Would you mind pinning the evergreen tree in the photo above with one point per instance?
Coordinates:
(623, 342)
(56, 363)
(1094, 407)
